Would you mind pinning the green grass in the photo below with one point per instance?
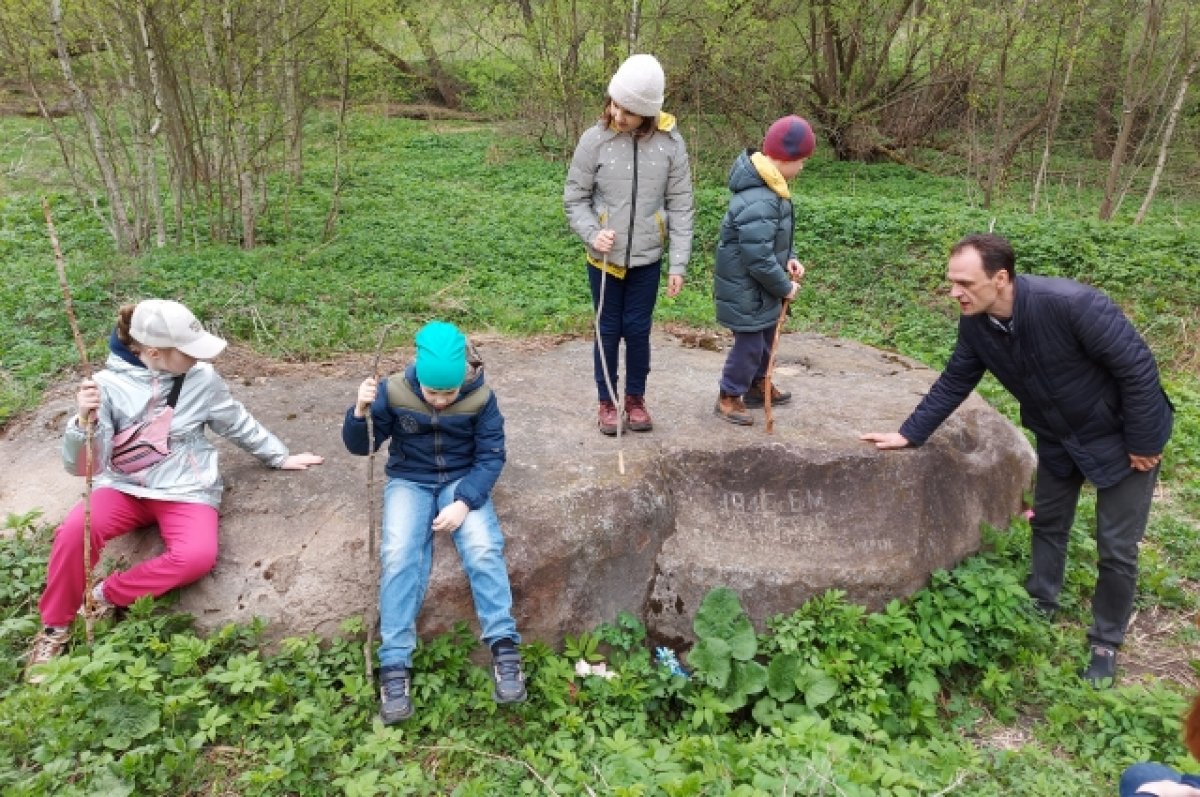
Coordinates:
(465, 223)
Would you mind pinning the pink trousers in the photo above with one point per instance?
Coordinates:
(189, 534)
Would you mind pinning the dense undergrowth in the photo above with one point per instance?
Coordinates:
(829, 700)
(956, 691)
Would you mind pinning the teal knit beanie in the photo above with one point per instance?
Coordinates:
(441, 356)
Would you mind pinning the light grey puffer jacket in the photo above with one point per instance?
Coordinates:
(607, 169)
(189, 474)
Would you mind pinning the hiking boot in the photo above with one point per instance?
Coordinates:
(636, 414)
(732, 409)
(507, 675)
(45, 646)
(395, 694)
(1102, 670)
(755, 397)
(608, 418)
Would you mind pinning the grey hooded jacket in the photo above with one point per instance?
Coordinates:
(639, 187)
(189, 474)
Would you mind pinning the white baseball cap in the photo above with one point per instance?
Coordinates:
(169, 325)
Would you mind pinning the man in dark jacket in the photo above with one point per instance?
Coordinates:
(1089, 390)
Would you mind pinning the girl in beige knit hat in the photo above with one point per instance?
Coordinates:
(629, 199)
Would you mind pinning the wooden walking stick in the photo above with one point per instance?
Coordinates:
(372, 515)
(89, 605)
(604, 365)
(767, 388)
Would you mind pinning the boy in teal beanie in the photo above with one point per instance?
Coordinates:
(445, 454)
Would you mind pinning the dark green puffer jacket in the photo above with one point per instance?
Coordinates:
(751, 279)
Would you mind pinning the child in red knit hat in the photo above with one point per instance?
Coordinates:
(756, 266)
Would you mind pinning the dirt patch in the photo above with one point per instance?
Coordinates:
(1152, 646)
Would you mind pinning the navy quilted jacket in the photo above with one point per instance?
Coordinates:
(464, 441)
(1086, 381)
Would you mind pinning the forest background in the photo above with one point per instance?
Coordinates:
(248, 158)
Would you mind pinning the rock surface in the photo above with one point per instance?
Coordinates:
(779, 518)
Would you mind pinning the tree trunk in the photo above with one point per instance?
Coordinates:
(241, 135)
(1056, 102)
(1112, 47)
(293, 110)
(123, 234)
(335, 202)
(155, 124)
(1133, 97)
(1165, 144)
(445, 84)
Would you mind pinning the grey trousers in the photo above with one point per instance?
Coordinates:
(1121, 514)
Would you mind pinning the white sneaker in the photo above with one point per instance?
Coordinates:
(100, 605)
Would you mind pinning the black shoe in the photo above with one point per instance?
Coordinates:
(1042, 612)
(395, 698)
(1102, 670)
(507, 675)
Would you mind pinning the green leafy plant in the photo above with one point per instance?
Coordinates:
(723, 656)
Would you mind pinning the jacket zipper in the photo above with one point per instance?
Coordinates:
(632, 204)
(437, 446)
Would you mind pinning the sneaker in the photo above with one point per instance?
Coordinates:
(45, 646)
(636, 414)
(608, 418)
(507, 675)
(732, 409)
(395, 694)
(755, 397)
(1102, 670)
(100, 606)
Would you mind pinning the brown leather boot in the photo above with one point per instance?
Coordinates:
(636, 414)
(608, 418)
(755, 397)
(732, 409)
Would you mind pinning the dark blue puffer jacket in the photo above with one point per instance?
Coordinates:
(750, 279)
(1087, 383)
(464, 441)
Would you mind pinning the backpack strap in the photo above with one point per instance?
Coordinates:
(176, 389)
(401, 396)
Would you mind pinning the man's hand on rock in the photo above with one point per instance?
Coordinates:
(885, 440)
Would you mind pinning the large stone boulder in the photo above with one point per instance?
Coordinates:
(701, 503)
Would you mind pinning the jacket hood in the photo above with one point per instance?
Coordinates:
(743, 175)
(666, 124)
(134, 371)
(119, 349)
(752, 169)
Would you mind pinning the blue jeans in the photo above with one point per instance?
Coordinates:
(627, 314)
(747, 360)
(406, 556)
(1138, 775)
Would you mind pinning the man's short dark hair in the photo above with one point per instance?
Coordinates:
(994, 250)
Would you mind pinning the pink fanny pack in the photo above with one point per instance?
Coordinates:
(147, 441)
